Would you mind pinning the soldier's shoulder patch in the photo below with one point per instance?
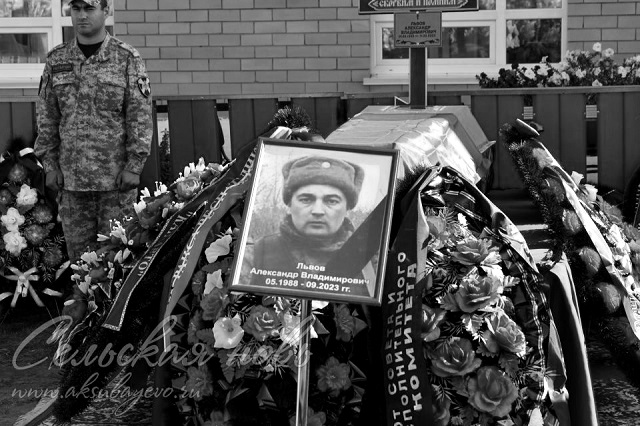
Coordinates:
(144, 85)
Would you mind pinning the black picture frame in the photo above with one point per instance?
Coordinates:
(271, 242)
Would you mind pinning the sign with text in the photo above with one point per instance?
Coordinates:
(389, 6)
(418, 29)
(317, 221)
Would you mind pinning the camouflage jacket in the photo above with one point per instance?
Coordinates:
(94, 115)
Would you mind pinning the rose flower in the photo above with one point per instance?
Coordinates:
(455, 357)
(491, 392)
(504, 333)
(262, 323)
(477, 292)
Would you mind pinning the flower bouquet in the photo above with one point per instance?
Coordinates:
(252, 353)
(116, 292)
(602, 249)
(578, 68)
(32, 250)
(485, 318)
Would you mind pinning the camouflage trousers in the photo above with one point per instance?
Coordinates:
(84, 214)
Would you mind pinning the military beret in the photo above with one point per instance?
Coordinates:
(312, 170)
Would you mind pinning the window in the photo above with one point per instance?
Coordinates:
(502, 32)
(28, 30)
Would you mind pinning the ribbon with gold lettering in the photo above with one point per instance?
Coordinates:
(407, 388)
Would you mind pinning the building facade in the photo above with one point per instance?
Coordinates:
(250, 48)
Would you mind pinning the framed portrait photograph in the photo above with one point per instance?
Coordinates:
(316, 222)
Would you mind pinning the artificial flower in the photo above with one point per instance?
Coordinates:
(197, 282)
(214, 280)
(491, 392)
(220, 247)
(228, 332)
(18, 173)
(441, 414)
(27, 197)
(36, 234)
(199, 382)
(431, 319)
(597, 47)
(503, 334)
(333, 377)
(475, 251)
(476, 292)
(6, 197)
(313, 418)
(262, 323)
(53, 256)
(188, 187)
(345, 323)
(42, 214)
(14, 242)
(213, 303)
(12, 220)
(454, 357)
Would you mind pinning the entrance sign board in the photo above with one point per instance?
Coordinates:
(390, 6)
(418, 29)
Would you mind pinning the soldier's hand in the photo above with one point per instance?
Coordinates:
(54, 180)
(127, 180)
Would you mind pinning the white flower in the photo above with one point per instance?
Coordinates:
(577, 177)
(529, 74)
(542, 71)
(12, 220)
(27, 197)
(14, 242)
(219, 247)
(638, 72)
(596, 72)
(144, 193)
(596, 83)
(592, 191)
(90, 258)
(623, 71)
(214, 280)
(580, 73)
(544, 59)
(139, 206)
(597, 47)
(608, 52)
(118, 231)
(228, 332)
(161, 188)
(565, 76)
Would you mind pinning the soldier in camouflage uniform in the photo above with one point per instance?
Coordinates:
(94, 126)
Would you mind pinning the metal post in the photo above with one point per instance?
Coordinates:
(418, 77)
(302, 410)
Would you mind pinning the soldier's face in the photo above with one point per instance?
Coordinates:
(88, 20)
(318, 210)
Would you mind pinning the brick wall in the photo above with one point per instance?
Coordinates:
(614, 23)
(249, 47)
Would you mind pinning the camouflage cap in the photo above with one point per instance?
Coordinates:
(94, 3)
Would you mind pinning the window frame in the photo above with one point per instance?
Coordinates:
(27, 75)
(458, 71)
